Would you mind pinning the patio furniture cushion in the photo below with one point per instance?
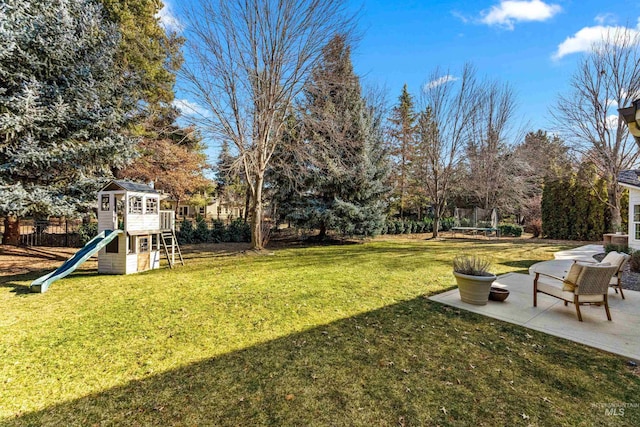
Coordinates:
(616, 280)
(591, 287)
(574, 272)
(614, 258)
(569, 283)
(554, 287)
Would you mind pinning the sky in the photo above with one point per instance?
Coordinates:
(534, 45)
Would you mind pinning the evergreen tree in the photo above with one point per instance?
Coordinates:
(287, 171)
(169, 155)
(403, 140)
(344, 182)
(231, 183)
(573, 205)
(224, 167)
(147, 54)
(61, 109)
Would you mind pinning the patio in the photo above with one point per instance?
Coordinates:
(620, 336)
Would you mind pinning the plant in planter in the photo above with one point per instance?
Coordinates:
(473, 277)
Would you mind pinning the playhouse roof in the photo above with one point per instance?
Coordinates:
(630, 177)
(119, 184)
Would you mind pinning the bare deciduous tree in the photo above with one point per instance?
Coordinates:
(246, 62)
(492, 169)
(608, 77)
(443, 126)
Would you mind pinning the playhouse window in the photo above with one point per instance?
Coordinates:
(135, 204)
(155, 242)
(113, 246)
(201, 210)
(144, 245)
(105, 203)
(152, 206)
(183, 211)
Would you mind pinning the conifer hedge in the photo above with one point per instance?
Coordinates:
(573, 207)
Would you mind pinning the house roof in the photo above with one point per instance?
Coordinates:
(630, 177)
(119, 184)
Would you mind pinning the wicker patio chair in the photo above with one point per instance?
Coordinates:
(584, 284)
(620, 260)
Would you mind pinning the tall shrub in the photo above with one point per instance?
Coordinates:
(573, 207)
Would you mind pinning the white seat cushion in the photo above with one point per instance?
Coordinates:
(614, 258)
(553, 287)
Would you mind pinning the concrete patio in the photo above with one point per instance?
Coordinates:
(620, 336)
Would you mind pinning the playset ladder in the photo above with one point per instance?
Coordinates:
(175, 248)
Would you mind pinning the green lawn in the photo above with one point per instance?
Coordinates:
(326, 335)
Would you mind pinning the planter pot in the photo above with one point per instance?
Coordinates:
(498, 294)
(474, 289)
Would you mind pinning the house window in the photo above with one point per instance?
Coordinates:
(105, 204)
(201, 210)
(183, 210)
(152, 206)
(636, 221)
(135, 204)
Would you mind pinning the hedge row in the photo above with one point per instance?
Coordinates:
(573, 209)
(511, 230)
(408, 226)
(214, 231)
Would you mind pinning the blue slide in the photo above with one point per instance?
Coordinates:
(100, 241)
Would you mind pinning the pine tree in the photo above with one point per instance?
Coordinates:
(285, 178)
(61, 109)
(170, 155)
(403, 140)
(224, 167)
(147, 54)
(344, 183)
(231, 183)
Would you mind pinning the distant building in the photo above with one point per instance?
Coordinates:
(216, 208)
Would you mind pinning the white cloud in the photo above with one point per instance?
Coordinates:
(605, 18)
(612, 121)
(624, 94)
(439, 81)
(189, 108)
(460, 16)
(168, 20)
(508, 12)
(583, 40)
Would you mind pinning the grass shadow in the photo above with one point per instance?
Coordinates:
(16, 288)
(413, 363)
(16, 282)
(33, 252)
